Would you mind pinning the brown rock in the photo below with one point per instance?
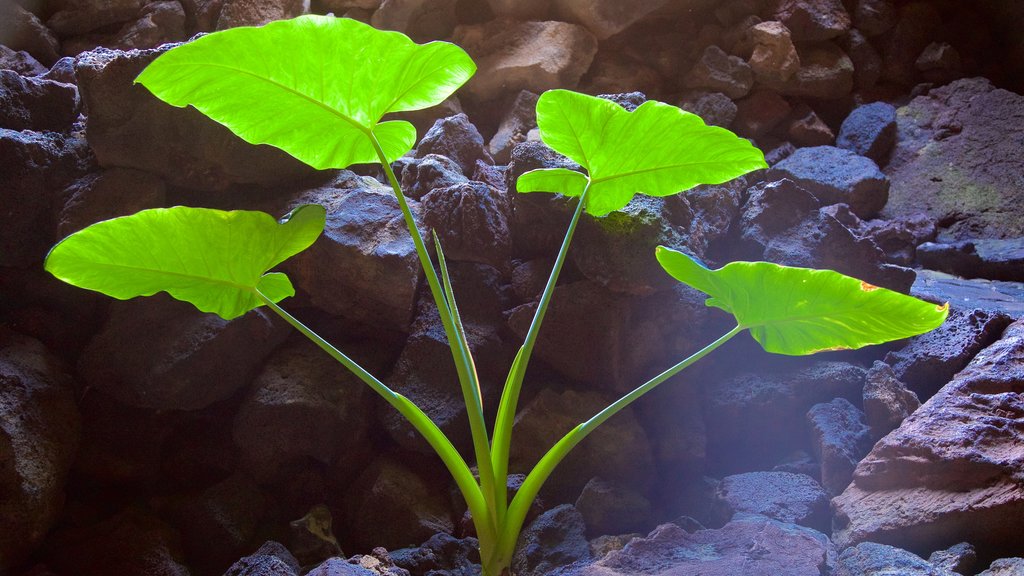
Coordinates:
(534, 56)
(903, 43)
(108, 194)
(887, 402)
(951, 471)
(717, 71)
(605, 18)
(21, 30)
(518, 121)
(867, 64)
(812, 20)
(521, 9)
(758, 113)
(421, 20)
(80, 16)
(20, 61)
(807, 129)
(873, 17)
(826, 73)
(774, 56)
(235, 13)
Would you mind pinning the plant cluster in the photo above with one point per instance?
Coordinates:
(318, 88)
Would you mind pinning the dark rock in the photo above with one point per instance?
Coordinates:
(607, 508)
(839, 439)
(62, 71)
(812, 20)
(887, 402)
(778, 152)
(900, 237)
(874, 17)
(81, 16)
(443, 553)
(421, 20)
(34, 168)
(619, 450)
(836, 175)
(220, 523)
(870, 130)
(951, 471)
(192, 361)
(807, 129)
(423, 120)
(1002, 297)
(339, 567)
(539, 220)
(929, 361)
(782, 496)
(1004, 567)
(774, 57)
(108, 194)
(39, 435)
(272, 559)
(157, 23)
(614, 72)
(799, 462)
(133, 541)
(183, 146)
(870, 559)
(36, 103)
(364, 267)
(395, 507)
(902, 44)
(303, 405)
(715, 108)
(867, 63)
(121, 445)
(235, 13)
(990, 259)
(521, 9)
(20, 61)
(312, 537)
(759, 113)
(520, 118)
(555, 539)
(530, 277)
(457, 138)
(604, 18)
(471, 222)
(959, 558)
(378, 562)
(754, 419)
(421, 175)
(749, 544)
(939, 62)
(826, 73)
(717, 71)
(22, 30)
(534, 56)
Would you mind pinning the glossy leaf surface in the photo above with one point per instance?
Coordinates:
(656, 149)
(314, 86)
(798, 311)
(214, 259)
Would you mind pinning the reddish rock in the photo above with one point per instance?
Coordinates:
(521, 9)
(812, 20)
(826, 73)
(604, 18)
(774, 57)
(421, 20)
(951, 471)
(887, 402)
(235, 13)
(807, 129)
(758, 113)
(22, 30)
(717, 71)
(873, 17)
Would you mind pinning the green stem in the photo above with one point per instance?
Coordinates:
(501, 445)
(531, 486)
(433, 435)
(460, 353)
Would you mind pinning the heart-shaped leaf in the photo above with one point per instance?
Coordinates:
(656, 149)
(214, 259)
(798, 311)
(314, 86)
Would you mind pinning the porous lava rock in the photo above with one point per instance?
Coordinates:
(870, 130)
(20, 61)
(36, 103)
(555, 538)
(1004, 567)
(812, 20)
(421, 175)
(457, 138)
(780, 548)
(182, 146)
(839, 439)
(519, 119)
(271, 559)
(951, 471)
(235, 13)
(873, 558)
(982, 258)
(605, 18)
(774, 56)
(836, 175)
(441, 554)
(784, 496)
(39, 434)
(957, 159)
(471, 222)
(609, 508)
(887, 402)
(717, 71)
(825, 73)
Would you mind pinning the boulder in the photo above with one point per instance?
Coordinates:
(364, 267)
(108, 194)
(758, 113)
(1004, 567)
(419, 176)
(421, 20)
(271, 559)
(715, 108)
(958, 558)
(234, 13)
(983, 258)
(340, 567)
(471, 222)
(749, 544)
(36, 103)
(520, 118)
(22, 30)
(871, 559)
(20, 61)
(812, 20)
(988, 295)
(717, 71)
(457, 138)
(870, 130)
(534, 56)
(867, 63)
(826, 73)
(836, 175)
(80, 16)
(521, 9)
(39, 435)
(442, 552)
(951, 471)
(887, 402)
(182, 146)
(190, 362)
(902, 44)
(554, 539)
(608, 508)
(604, 18)
(157, 23)
(783, 496)
(774, 57)
(874, 17)
(839, 439)
(807, 129)
(899, 237)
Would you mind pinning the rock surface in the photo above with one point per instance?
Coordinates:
(871, 559)
(951, 471)
(555, 539)
(783, 496)
(836, 175)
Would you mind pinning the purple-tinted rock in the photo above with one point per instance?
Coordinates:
(182, 146)
(609, 508)
(887, 402)
(108, 194)
(339, 567)
(443, 553)
(812, 20)
(35, 103)
(839, 439)
(870, 130)
(234, 13)
(272, 559)
(873, 17)
(20, 61)
(457, 138)
(157, 23)
(421, 20)
(421, 175)
(520, 118)
(750, 544)
(554, 539)
(39, 435)
(990, 259)
(988, 295)
(959, 558)
(22, 30)
(783, 496)
(951, 471)
(715, 108)
(192, 361)
(539, 220)
(929, 361)
(471, 222)
(900, 237)
(836, 175)
(1004, 567)
(717, 71)
(81, 16)
(364, 267)
(869, 558)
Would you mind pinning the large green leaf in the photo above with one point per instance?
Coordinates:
(314, 86)
(799, 311)
(214, 259)
(656, 149)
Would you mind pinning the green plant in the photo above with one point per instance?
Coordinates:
(318, 87)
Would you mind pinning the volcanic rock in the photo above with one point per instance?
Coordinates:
(234, 13)
(36, 103)
(774, 56)
(959, 558)
(758, 113)
(812, 20)
(457, 138)
(717, 71)
(1004, 567)
(556, 538)
(874, 17)
(836, 175)
(839, 439)
(951, 471)
(870, 130)
(471, 222)
(991, 259)
(22, 30)
(520, 118)
(608, 508)
(108, 194)
(20, 61)
(826, 73)
(604, 18)
(807, 129)
(421, 20)
(272, 559)
(871, 558)
(715, 108)
(867, 63)
(783, 496)
(887, 402)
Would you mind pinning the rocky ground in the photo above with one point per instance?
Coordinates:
(144, 438)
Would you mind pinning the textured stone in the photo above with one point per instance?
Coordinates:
(951, 471)
(521, 9)
(774, 57)
(839, 439)
(873, 17)
(836, 175)
(234, 13)
(157, 23)
(784, 496)
(1004, 567)
(903, 43)
(871, 559)
(421, 20)
(194, 360)
(959, 558)
(887, 402)
(556, 538)
(715, 108)
(421, 175)
(457, 138)
(182, 146)
(608, 508)
(520, 118)
(471, 222)
(750, 544)
(534, 56)
(442, 552)
(39, 434)
(81, 16)
(605, 18)
(870, 130)
(987, 295)
(717, 71)
(807, 129)
(20, 61)
(812, 20)
(826, 73)
(272, 559)
(22, 30)
(36, 103)
(758, 113)
(339, 567)
(990, 259)
(867, 63)
(108, 194)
